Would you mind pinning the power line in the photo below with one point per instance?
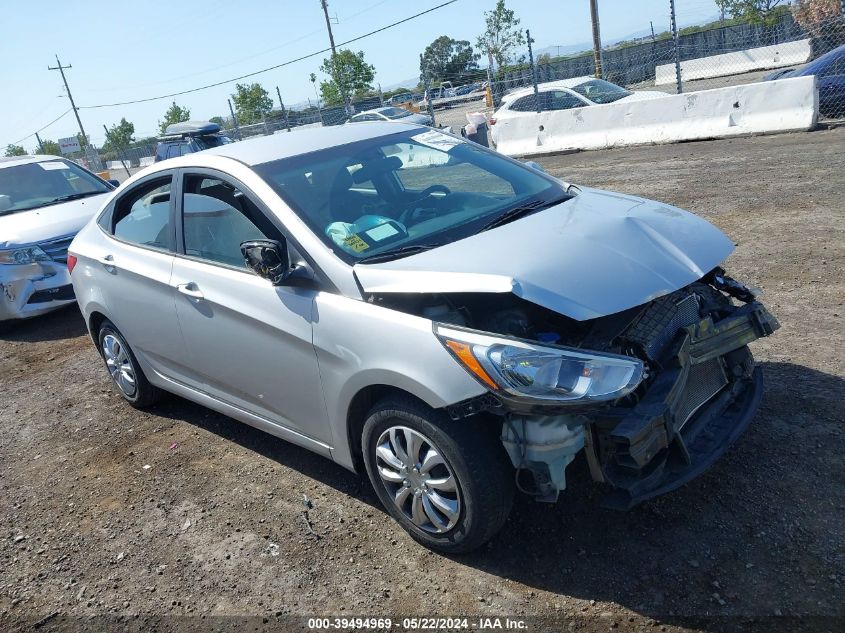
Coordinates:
(62, 115)
(264, 70)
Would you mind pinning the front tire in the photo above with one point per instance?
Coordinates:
(123, 367)
(448, 483)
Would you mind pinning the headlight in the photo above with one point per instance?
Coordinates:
(541, 372)
(26, 255)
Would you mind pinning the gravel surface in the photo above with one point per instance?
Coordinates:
(183, 512)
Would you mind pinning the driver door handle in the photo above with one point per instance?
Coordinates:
(190, 290)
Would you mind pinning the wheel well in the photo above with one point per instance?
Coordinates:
(357, 415)
(94, 322)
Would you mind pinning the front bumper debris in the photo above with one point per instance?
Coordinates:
(703, 392)
(696, 408)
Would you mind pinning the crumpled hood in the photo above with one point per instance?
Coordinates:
(57, 220)
(596, 254)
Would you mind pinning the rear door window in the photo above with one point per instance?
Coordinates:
(562, 100)
(142, 215)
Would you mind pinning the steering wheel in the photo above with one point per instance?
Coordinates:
(409, 215)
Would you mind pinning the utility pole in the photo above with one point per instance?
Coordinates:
(594, 14)
(678, 83)
(284, 112)
(533, 69)
(337, 75)
(40, 144)
(87, 147)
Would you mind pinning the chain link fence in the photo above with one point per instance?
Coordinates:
(708, 58)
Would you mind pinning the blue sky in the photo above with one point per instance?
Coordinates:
(122, 51)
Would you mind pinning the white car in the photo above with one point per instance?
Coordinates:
(391, 114)
(44, 201)
(563, 95)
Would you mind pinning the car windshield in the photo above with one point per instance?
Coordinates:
(601, 91)
(395, 113)
(413, 188)
(34, 185)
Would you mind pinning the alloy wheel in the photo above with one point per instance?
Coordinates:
(119, 365)
(418, 479)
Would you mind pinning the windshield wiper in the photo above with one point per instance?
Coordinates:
(75, 196)
(396, 253)
(522, 210)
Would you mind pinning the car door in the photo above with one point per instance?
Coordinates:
(515, 114)
(250, 343)
(134, 271)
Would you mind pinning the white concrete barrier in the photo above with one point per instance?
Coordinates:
(785, 105)
(114, 165)
(146, 161)
(775, 56)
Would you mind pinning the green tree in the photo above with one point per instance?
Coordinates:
(174, 114)
(15, 150)
(252, 103)
(347, 72)
(756, 11)
(119, 136)
(446, 58)
(51, 148)
(501, 35)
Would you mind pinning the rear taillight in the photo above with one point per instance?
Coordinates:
(492, 121)
(71, 262)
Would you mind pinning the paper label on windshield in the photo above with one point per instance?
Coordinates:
(356, 243)
(54, 165)
(381, 232)
(436, 140)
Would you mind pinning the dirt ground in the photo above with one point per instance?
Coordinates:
(136, 517)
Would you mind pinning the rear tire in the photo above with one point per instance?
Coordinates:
(123, 367)
(453, 490)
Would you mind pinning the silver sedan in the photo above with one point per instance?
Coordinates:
(414, 306)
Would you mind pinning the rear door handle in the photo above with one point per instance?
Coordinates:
(190, 290)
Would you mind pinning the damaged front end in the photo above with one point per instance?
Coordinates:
(653, 394)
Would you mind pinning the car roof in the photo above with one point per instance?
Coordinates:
(378, 110)
(264, 149)
(549, 85)
(10, 161)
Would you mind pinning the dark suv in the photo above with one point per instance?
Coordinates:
(188, 137)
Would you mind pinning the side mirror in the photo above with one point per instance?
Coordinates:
(533, 165)
(114, 182)
(268, 259)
